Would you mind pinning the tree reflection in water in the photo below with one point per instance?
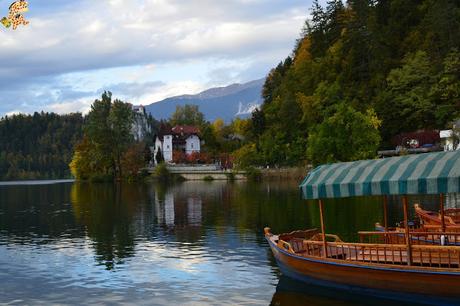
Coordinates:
(116, 216)
(107, 212)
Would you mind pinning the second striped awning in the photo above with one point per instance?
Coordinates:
(429, 173)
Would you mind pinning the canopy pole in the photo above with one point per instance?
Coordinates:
(406, 227)
(385, 212)
(441, 209)
(323, 229)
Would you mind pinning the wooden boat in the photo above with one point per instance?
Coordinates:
(418, 236)
(402, 267)
(432, 228)
(376, 266)
(454, 214)
(430, 220)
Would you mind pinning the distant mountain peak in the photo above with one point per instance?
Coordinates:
(227, 102)
(228, 90)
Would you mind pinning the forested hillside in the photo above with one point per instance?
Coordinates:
(362, 72)
(38, 146)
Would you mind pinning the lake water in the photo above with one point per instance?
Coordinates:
(194, 243)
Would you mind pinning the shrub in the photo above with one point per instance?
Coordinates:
(161, 172)
(193, 158)
(179, 157)
(208, 178)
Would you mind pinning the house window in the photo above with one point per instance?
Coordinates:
(167, 146)
(192, 145)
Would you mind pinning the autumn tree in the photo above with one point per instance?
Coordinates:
(108, 135)
(132, 160)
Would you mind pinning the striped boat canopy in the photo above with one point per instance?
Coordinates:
(429, 173)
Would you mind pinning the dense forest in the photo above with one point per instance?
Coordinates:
(362, 72)
(38, 146)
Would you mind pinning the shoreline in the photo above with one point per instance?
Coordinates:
(36, 182)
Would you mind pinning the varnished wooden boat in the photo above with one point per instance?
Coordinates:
(418, 236)
(436, 228)
(435, 219)
(404, 267)
(378, 267)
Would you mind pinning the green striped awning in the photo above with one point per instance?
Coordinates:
(429, 173)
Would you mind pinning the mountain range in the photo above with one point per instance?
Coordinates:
(228, 103)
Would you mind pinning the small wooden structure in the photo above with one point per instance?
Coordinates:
(402, 262)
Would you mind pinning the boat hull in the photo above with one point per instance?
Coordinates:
(376, 278)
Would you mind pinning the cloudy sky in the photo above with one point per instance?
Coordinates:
(141, 50)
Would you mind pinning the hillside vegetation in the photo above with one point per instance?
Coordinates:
(361, 72)
(38, 146)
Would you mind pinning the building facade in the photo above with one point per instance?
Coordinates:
(184, 139)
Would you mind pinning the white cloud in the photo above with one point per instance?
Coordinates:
(171, 89)
(79, 105)
(87, 45)
(13, 112)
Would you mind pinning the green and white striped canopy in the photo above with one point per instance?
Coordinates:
(429, 173)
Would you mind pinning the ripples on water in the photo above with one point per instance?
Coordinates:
(194, 243)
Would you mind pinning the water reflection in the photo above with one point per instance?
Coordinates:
(166, 206)
(107, 212)
(36, 214)
(148, 243)
(293, 293)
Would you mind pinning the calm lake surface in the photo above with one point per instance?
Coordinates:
(194, 243)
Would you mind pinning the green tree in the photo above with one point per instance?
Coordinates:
(159, 157)
(120, 121)
(107, 138)
(258, 122)
(187, 115)
(97, 129)
(406, 105)
(347, 135)
(446, 92)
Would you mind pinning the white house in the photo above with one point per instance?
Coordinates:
(449, 140)
(181, 138)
